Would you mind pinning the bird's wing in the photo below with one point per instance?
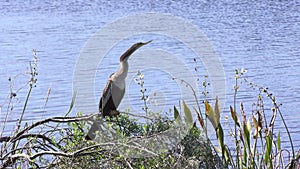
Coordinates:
(107, 92)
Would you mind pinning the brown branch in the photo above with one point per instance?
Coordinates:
(41, 136)
(15, 157)
(77, 153)
(5, 139)
(53, 119)
(21, 135)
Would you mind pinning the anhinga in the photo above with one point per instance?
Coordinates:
(114, 90)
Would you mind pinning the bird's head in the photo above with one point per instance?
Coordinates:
(133, 48)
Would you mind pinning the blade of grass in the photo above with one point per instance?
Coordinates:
(187, 115)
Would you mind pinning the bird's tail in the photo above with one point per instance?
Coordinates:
(91, 133)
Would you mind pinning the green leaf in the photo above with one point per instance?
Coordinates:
(217, 111)
(268, 152)
(200, 120)
(245, 156)
(246, 133)
(177, 116)
(278, 142)
(255, 124)
(249, 127)
(188, 114)
(218, 150)
(72, 104)
(228, 156)
(220, 135)
(234, 117)
(210, 113)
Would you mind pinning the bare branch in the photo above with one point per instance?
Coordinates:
(77, 153)
(53, 119)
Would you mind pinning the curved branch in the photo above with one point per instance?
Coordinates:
(53, 119)
(41, 136)
(77, 153)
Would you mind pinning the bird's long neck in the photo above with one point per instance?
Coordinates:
(121, 74)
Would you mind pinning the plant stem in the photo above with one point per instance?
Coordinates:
(235, 126)
(287, 130)
(15, 144)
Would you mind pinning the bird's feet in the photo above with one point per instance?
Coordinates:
(114, 113)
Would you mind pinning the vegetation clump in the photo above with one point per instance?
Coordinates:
(180, 141)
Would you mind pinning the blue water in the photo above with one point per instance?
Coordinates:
(262, 37)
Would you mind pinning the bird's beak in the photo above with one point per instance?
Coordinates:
(145, 43)
(133, 48)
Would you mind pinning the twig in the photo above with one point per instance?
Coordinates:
(53, 119)
(77, 153)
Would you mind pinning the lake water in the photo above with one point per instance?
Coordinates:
(262, 37)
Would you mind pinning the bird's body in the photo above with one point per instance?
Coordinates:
(114, 90)
(112, 95)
